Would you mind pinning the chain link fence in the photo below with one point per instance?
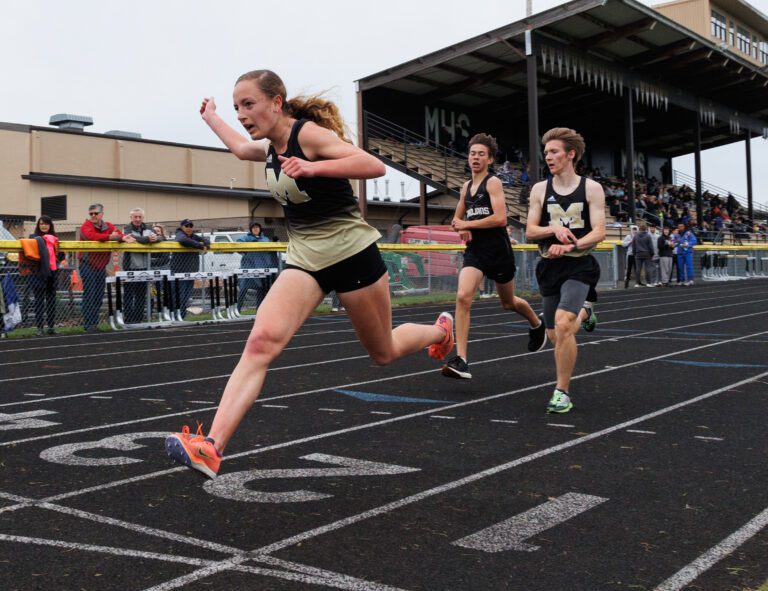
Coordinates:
(112, 286)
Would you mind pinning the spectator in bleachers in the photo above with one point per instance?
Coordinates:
(135, 293)
(617, 212)
(93, 264)
(186, 262)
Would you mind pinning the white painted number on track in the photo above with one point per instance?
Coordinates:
(232, 486)
(66, 454)
(511, 533)
(25, 420)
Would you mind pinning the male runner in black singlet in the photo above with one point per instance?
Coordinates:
(567, 219)
(481, 220)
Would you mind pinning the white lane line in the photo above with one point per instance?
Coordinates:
(274, 406)
(329, 434)
(378, 380)
(31, 394)
(400, 376)
(712, 556)
(449, 486)
(503, 421)
(298, 573)
(380, 412)
(201, 401)
(240, 342)
(332, 409)
(702, 437)
(101, 397)
(561, 425)
(134, 366)
(153, 399)
(441, 417)
(606, 298)
(185, 360)
(641, 431)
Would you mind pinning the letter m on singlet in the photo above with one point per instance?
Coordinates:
(571, 218)
(285, 189)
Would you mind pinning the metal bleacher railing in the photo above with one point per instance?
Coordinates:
(220, 291)
(432, 163)
(681, 178)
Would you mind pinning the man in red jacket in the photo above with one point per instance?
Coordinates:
(93, 264)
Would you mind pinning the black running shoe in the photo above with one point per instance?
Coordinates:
(457, 368)
(537, 337)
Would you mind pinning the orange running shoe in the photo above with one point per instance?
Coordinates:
(196, 452)
(441, 350)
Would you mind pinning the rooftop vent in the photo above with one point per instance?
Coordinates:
(126, 134)
(66, 121)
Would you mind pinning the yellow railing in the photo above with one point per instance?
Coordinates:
(172, 246)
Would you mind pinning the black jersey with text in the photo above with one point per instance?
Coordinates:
(307, 201)
(570, 211)
(485, 241)
(321, 213)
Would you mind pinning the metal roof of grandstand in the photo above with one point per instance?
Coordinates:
(590, 52)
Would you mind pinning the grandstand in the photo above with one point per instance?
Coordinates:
(636, 83)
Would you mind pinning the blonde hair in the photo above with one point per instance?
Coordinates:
(572, 140)
(314, 107)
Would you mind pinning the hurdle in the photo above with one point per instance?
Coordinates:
(237, 274)
(158, 277)
(213, 278)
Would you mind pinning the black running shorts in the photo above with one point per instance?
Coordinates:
(499, 269)
(552, 273)
(360, 270)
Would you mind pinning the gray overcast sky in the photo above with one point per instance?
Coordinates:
(144, 66)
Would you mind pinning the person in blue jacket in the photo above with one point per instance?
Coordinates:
(254, 259)
(684, 240)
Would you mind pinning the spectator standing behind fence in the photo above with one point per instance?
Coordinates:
(628, 244)
(135, 294)
(642, 245)
(93, 264)
(685, 240)
(254, 259)
(43, 276)
(666, 255)
(653, 232)
(187, 262)
(159, 260)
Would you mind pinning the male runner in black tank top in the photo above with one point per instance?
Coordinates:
(481, 220)
(567, 218)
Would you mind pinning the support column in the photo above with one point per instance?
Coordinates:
(423, 217)
(750, 208)
(534, 137)
(362, 143)
(697, 165)
(629, 148)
